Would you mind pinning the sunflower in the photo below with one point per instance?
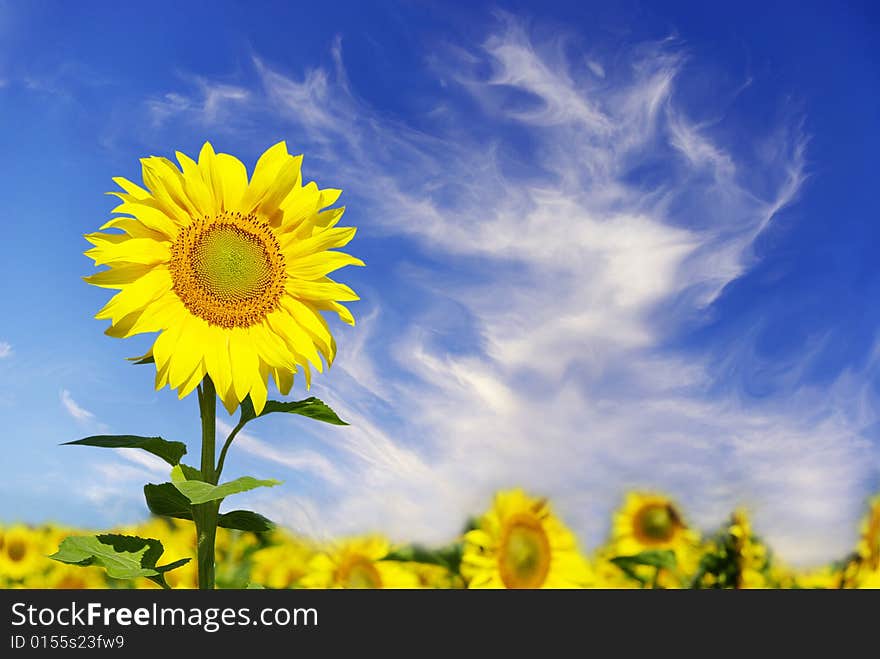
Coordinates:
(520, 543)
(22, 553)
(358, 563)
(649, 521)
(434, 576)
(231, 272)
(72, 577)
(281, 565)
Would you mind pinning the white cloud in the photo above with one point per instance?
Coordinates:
(5, 349)
(74, 409)
(573, 266)
(211, 103)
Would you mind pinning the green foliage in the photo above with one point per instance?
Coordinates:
(170, 452)
(144, 359)
(166, 500)
(448, 557)
(310, 407)
(198, 491)
(123, 556)
(659, 559)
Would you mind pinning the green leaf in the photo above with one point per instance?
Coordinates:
(449, 557)
(170, 452)
(143, 359)
(310, 407)
(190, 473)
(198, 491)
(165, 499)
(123, 556)
(659, 558)
(245, 520)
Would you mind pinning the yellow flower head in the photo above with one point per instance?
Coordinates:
(358, 563)
(650, 521)
(520, 543)
(22, 553)
(231, 272)
(281, 565)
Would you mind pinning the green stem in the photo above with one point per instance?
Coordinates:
(205, 515)
(226, 446)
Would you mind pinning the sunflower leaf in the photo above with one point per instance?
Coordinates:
(144, 359)
(312, 407)
(166, 500)
(198, 491)
(245, 520)
(122, 556)
(170, 452)
(659, 558)
(448, 557)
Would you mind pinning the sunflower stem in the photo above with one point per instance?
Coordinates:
(205, 515)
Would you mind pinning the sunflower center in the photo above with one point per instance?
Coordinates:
(358, 572)
(228, 269)
(16, 550)
(655, 523)
(524, 559)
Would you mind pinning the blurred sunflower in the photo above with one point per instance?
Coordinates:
(358, 563)
(520, 543)
(430, 575)
(231, 272)
(281, 565)
(72, 577)
(650, 521)
(22, 553)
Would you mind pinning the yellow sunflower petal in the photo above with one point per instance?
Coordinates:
(217, 358)
(150, 217)
(322, 289)
(283, 380)
(134, 228)
(233, 175)
(136, 295)
(295, 247)
(315, 266)
(266, 172)
(259, 392)
(245, 360)
(132, 189)
(201, 195)
(188, 352)
(119, 276)
(132, 250)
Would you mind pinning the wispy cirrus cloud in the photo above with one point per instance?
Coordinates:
(571, 264)
(74, 409)
(5, 349)
(210, 103)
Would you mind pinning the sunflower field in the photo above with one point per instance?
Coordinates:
(518, 543)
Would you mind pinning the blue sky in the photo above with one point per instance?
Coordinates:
(607, 247)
